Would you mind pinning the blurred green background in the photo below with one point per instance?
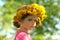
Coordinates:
(48, 30)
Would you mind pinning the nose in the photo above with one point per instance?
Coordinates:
(34, 24)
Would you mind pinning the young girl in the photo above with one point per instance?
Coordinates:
(28, 17)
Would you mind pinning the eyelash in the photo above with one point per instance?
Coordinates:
(29, 19)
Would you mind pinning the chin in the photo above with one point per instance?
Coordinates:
(30, 28)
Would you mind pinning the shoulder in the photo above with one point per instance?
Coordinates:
(21, 36)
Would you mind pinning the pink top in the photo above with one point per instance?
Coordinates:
(21, 35)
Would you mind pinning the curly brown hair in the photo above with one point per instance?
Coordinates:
(16, 24)
(26, 10)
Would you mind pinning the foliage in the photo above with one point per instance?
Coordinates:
(38, 37)
(8, 10)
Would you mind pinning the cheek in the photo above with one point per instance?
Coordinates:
(28, 24)
(25, 24)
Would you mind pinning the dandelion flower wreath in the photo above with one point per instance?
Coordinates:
(32, 9)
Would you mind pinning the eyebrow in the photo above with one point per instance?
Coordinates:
(32, 18)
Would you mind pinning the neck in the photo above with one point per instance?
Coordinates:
(23, 29)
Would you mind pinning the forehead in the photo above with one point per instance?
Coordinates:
(31, 17)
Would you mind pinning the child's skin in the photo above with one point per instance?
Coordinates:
(28, 23)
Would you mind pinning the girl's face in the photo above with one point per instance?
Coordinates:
(29, 22)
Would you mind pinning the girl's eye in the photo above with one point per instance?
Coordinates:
(29, 19)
